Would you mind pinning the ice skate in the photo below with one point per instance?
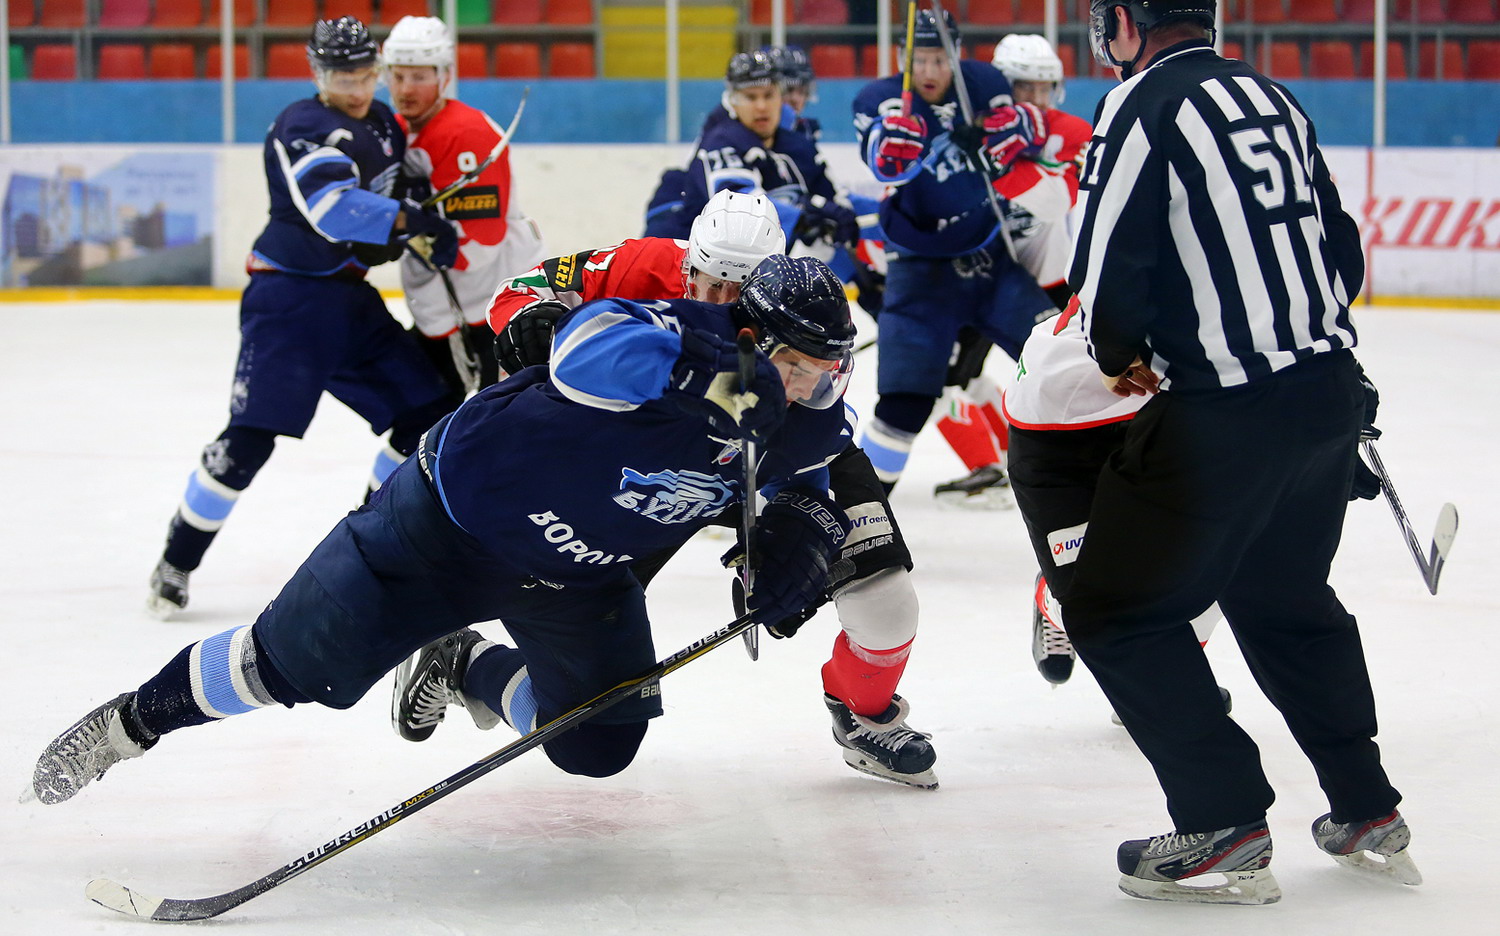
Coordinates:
(1230, 866)
(82, 754)
(1050, 646)
(1376, 847)
(884, 747)
(984, 488)
(429, 680)
(169, 590)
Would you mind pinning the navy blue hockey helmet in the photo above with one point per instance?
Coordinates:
(793, 67)
(748, 70)
(341, 44)
(799, 303)
(1146, 14)
(925, 34)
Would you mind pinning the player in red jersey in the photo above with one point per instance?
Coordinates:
(1039, 193)
(870, 583)
(445, 139)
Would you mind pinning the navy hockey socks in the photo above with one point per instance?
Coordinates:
(497, 677)
(227, 467)
(226, 674)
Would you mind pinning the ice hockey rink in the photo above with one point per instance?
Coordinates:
(739, 815)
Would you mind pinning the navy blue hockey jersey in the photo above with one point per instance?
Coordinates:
(588, 465)
(938, 208)
(731, 156)
(331, 179)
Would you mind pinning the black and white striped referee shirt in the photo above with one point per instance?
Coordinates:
(1213, 243)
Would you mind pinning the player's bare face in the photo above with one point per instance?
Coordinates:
(1033, 92)
(759, 109)
(931, 75)
(415, 91)
(796, 98)
(705, 288)
(351, 91)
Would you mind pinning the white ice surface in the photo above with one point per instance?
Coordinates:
(739, 815)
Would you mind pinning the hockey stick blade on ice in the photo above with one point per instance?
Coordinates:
(120, 898)
(1431, 565)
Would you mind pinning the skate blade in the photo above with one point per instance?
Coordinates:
(1246, 888)
(160, 608)
(990, 499)
(1396, 869)
(925, 780)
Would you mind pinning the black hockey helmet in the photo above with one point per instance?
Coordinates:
(925, 35)
(1147, 15)
(341, 45)
(748, 70)
(799, 302)
(793, 68)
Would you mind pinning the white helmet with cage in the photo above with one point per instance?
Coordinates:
(732, 235)
(419, 40)
(1028, 57)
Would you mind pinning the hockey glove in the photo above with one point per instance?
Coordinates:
(527, 338)
(1372, 404)
(430, 236)
(706, 379)
(823, 219)
(1004, 134)
(796, 538)
(902, 140)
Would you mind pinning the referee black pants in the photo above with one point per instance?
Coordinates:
(1238, 496)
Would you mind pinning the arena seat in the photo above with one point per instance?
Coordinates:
(570, 60)
(1452, 66)
(362, 10)
(1472, 11)
(518, 60)
(171, 60)
(1234, 50)
(472, 12)
(1265, 11)
(1069, 55)
(980, 52)
(516, 12)
(54, 62)
(1333, 58)
(176, 14)
(473, 60)
(390, 11)
(1363, 11)
(124, 14)
(832, 61)
(869, 61)
(760, 11)
(1484, 60)
(121, 62)
(63, 14)
(1285, 59)
(287, 60)
(18, 63)
(1431, 11)
(1395, 60)
(291, 12)
(213, 66)
(1315, 11)
(570, 12)
(981, 13)
(822, 13)
(22, 13)
(1033, 11)
(244, 12)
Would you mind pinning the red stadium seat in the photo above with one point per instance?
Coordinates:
(172, 60)
(1266, 11)
(1315, 11)
(1031, 11)
(760, 11)
(287, 60)
(1331, 59)
(982, 51)
(981, 13)
(1395, 59)
(22, 13)
(1284, 59)
(570, 60)
(1363, 11)
(1069, 55)
(1472, 11)
(244, 12)
(57, 62)
(570, 12)
(516, 12)
(473, 60)
(170, 14)
(1451, 68)
(1430, 11)
(832, 61)
(362, 10)
(213, 66)
(518, 60)
(821, 12)
(1234, 50)
(869, 61)
(291, 12)
(391, 11)
(63, 14)
(125, 14)
(1484, 60)
(123, 62)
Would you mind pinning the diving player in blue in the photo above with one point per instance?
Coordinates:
(948, 263)
(308, 320)
(527, 505)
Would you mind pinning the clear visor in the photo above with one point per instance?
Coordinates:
(813, 382)
(1098, 24)
(348, 81)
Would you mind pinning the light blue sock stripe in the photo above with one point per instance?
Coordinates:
(216, 669)
(210, 505)
(521, 712)
(884, 458)
(384, 465)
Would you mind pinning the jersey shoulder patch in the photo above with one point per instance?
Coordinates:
(565, 274)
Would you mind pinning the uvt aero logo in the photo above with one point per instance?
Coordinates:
(674, 496)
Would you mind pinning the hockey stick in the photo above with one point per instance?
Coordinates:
(745, 343)
(489, 160)
(961, 88)
(118, 897)
(459, 340)
(1442, 535)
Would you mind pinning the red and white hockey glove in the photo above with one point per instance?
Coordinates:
(1010, 131)
(902, 140)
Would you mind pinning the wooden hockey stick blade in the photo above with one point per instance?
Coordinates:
(1442, 541)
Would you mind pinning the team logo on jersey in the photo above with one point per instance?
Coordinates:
(476, 201)
(566, 273)
(669, 496)
(730, 451)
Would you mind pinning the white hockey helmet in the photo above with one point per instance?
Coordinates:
(1028, 57)
(419, 40)
(733, 234)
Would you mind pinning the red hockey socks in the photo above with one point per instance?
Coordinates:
(968, 432)
(864, 679)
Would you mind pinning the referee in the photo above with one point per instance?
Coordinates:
(1215, 268)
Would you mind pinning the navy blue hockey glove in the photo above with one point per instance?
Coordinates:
(1366, 484)
(827, 220)
(430, 235)
(1372, 404)
(526, 339)
(796, 538)
(786, 628)
(706, 379)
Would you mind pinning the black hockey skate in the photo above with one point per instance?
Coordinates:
(1187, 867)
(81, 755)
(1050, 646)
(1352, 844)
(984, 488)
(169, 590)
(884, 747)
(432, 678)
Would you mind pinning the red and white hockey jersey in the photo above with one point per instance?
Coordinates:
(643, 268)
(1058, 384)
(1040, 192)
(496, 238)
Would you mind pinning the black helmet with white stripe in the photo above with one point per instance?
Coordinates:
(341, 45)
(1147, 15)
